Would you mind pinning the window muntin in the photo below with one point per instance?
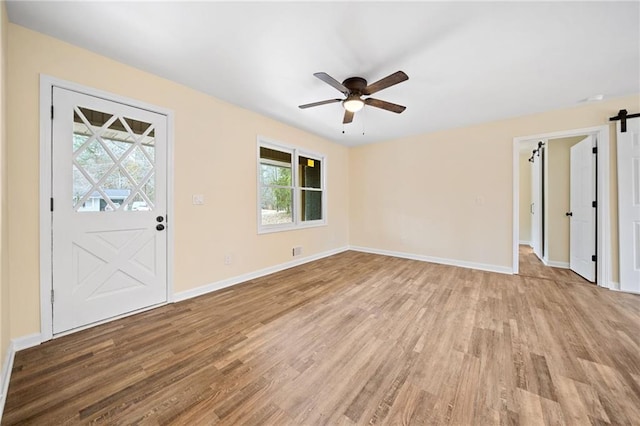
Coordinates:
(291, 188)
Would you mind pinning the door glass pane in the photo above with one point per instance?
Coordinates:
(114, 162)
(94, 160)
(80, 187)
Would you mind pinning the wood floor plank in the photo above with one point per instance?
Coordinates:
(349, 340)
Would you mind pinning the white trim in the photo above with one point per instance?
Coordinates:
(525, 243)
(545, 200)
(170, 204)
(615, 286)
(46, 86)
(15, 345)
(554, 264)
(26, 342)
(7, 366)
(603, 220)
(46, 271)
(452, 262)
(218, 285)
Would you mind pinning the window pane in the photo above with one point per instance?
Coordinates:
(275, 155)
(275, 175)
(311, 205)
(276, 205)
(309, 172)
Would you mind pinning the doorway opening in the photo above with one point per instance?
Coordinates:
(105, 196)
(543, 217)
(530, 265)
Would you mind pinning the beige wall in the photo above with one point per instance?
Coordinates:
(446, 194)
(4, 252)
(525, 197)
(449, 194)
(215, 155)
(559, 161)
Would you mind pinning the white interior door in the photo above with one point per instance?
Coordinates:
(582, 228)
(629, 204)
(536, 210)
(109, 209)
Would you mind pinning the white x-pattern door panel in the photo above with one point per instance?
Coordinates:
(629, 204)
(109, 216)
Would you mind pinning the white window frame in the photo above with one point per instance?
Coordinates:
(295, 152)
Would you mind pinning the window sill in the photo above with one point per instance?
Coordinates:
(291, 227)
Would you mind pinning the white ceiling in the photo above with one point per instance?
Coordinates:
(467, 62)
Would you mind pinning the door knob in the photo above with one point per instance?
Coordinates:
(160, 227)
(160, 218)
(568, 214)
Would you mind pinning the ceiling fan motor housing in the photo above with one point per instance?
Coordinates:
(355, 85)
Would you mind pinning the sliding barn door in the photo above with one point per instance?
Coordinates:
(629, 204)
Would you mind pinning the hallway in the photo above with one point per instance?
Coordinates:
(531, 266)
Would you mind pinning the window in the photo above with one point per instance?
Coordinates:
(290, 189)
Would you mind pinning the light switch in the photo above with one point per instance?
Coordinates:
(198, 199)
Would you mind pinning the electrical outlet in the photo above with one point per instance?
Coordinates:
(228, 259)
(198, 199)
(297, 251)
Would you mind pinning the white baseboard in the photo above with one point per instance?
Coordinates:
(7, 366)
(615, 286)
(440, 260)
(26, 342)
(219, 285)
(526, 243)
(14, 346)
(553, 263)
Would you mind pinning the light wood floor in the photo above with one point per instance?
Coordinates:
(351, 339)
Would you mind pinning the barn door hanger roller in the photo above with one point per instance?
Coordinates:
(536, 151)
(622, 116)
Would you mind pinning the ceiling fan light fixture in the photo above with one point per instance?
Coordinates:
(353, 104)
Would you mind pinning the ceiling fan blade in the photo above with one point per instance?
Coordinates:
(385, 105)
(328, 101)
(332, 82)
(388, 81)
(348, 117)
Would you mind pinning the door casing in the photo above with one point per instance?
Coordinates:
(46, 87)
(603, 220)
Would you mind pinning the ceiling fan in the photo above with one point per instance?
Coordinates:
(354, 88)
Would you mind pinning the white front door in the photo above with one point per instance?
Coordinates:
(629, 205)
(109, 186)
(582, 228)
